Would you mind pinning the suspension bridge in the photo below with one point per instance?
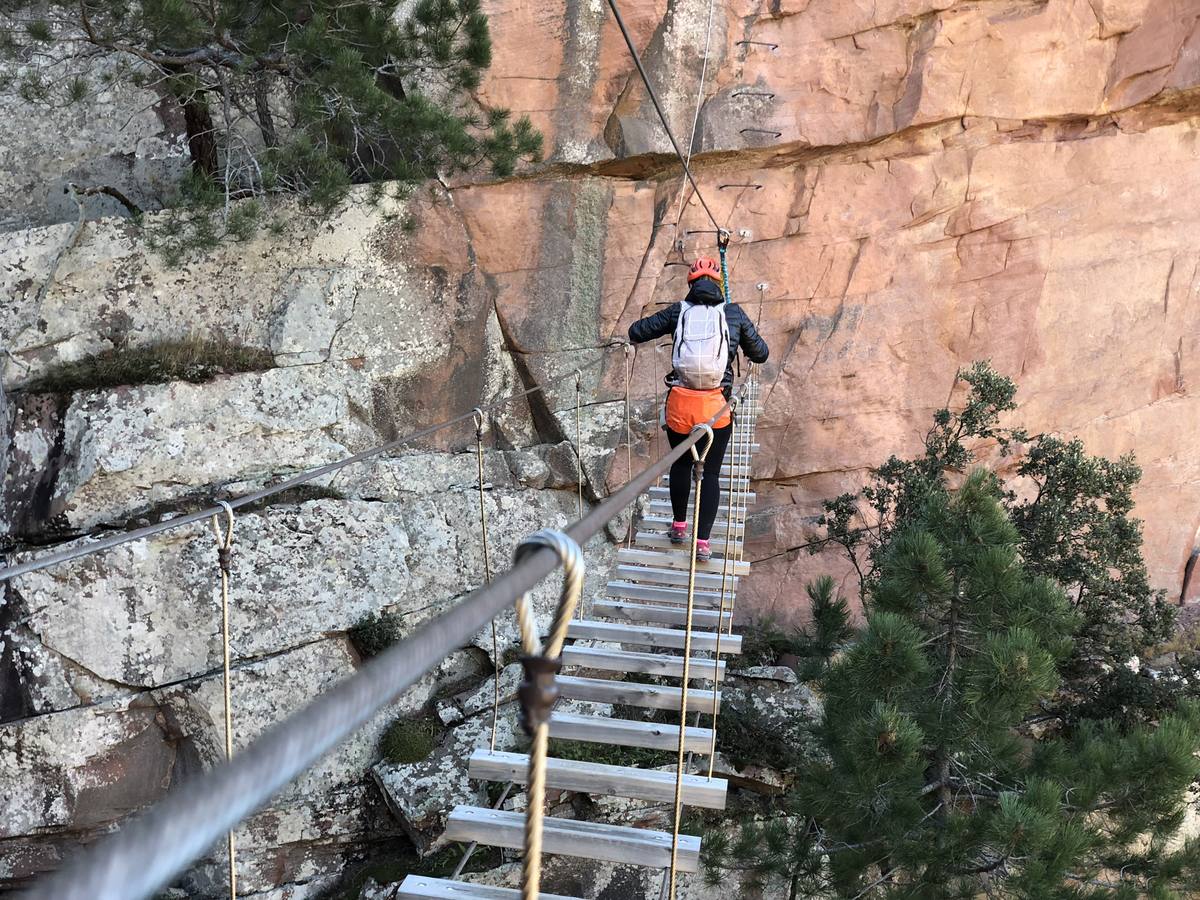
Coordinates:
(656, 641)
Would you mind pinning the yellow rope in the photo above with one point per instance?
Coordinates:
(629, 360)
(538, 691)
(698, 458)
(578, 442)
(729, 554)
(487, 574)
(224, 559)
(657, 407)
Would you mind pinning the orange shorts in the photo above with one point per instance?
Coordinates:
(687, 408)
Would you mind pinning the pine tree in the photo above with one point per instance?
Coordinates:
(1076, 528)
(929, 784)
(303, 97)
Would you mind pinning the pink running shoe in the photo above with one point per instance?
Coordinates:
(703, 551)
(678, 532)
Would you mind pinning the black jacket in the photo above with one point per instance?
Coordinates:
(742, 332)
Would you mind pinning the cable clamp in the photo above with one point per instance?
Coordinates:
(538, 692)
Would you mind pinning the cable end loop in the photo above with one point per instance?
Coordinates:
(538, 693)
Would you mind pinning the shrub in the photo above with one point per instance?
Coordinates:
(190, 359)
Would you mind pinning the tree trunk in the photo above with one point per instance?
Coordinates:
(201, 135)
(262, 111)
(942, 754)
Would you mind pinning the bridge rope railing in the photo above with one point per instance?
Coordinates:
(88, 548)
(151, 849)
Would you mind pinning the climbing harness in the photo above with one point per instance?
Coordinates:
(698, 457)
(538, 691)
(225, 565)
(722, 247)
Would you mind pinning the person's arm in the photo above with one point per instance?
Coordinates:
(751, 341)
(658, 325)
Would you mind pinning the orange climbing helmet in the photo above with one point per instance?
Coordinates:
(705, 266)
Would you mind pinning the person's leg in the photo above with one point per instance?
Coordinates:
(681, 478)
(710, 487)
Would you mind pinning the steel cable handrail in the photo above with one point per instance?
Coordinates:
(126, 537)
(637, 61)
(151, 849)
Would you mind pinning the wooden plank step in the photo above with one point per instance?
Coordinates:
(570, 837)
(739, 483)
(679, 557)
(663, 521)
(653, 540)
(663, 507)
(670, 638)
(655, 593)
(642, 663)
(654, 575)
(664, 493)
(631, 693)
(628, 733)
(665, 615)
(422, 887)
(603, 780)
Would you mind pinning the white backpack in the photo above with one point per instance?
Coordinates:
(701, 351)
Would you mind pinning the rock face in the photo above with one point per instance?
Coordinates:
(917, 183)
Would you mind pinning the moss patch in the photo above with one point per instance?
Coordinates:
(375, 632)
(607, 754)
(193, 359)
(409, 740)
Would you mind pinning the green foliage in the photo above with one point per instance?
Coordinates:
(409, 740)
(298, 97)
(607, 754)
(752, 735)
(191, 359)
(398, 858)
(1072, 517)
(928, 782)
(375, 632)
(1079, 530)
(764, 642)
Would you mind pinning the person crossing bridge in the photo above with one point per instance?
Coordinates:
(708, 332)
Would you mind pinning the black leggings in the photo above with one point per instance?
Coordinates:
(710, 487)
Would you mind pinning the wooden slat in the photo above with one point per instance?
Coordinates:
(658, 613)
(653, 575)
(631, 693)
(680, 558)
(642, 663)
(663, 520)
(664, 493)
(663, 594)
(602, 780)
(628, 733)
(422, 887)
(654, 540)
(671, 638)
(569, 837)
(663, 508)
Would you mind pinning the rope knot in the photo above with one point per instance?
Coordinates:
(225, 558)
(538, 692)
